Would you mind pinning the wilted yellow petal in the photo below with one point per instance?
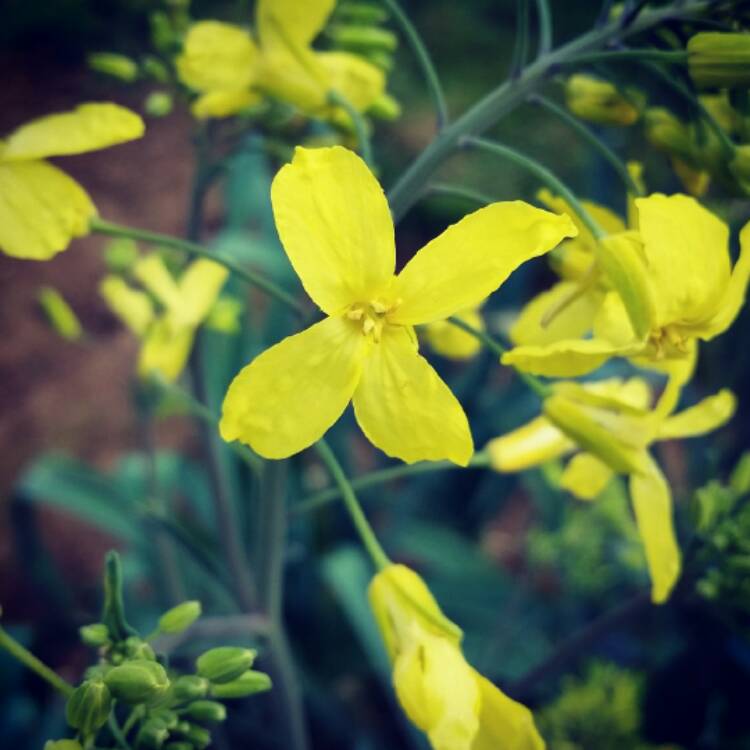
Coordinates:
(133, 307)
(41, 210)
(335, 225)
(285, 22)
(533, 444)
(217, 57)
(219, 103)
(586, 476)
(652, 502)
(566, 311)
(165, 350)
(86, 128)
(405, 409)
(706, 416)
(450, 341)
(199, 287)
(687, 255)
(287, 397)
(504, 723)
(472, 258)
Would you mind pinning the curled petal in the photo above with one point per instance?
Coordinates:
(706, 416)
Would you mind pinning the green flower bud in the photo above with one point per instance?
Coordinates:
(120, 254)
(225, 663)
(158, 104)
(138, 681)
(198, 736)
(382, 60)
(178, 746)
(599, 101)
(740, 168)
(137, 648)
(112, 64)
(152, 734)
(249, 683)
(362, 38)
(94, 635)
(88, 707)
(667, 133)
(385, 107)
(180, 618)
(59, 314)
(154, 68)
(189, 687)
(739, 480)
(167, 717)
(224, 316)
(206, 711)
(361, 13)
(718, 58)
(62, 745)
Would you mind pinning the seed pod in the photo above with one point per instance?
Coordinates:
(180, 618)
(88, 707)
(137, 681)
(719, 59)
(225, 663)
(94, 635)
(210, 711)
(249, 683)
(598, 101)
(189, 688)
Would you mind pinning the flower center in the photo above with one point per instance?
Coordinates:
(669, 342)
(372, 315)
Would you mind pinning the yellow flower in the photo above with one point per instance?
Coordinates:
(672, 285)
(167, 337)
(41, 208)
(600, 101)
(230, 71)
(452, 342)
(440, 692)
(335, 225)
(609, 427)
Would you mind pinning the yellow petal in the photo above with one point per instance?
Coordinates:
(652, 502)
(438, 691)
(295, 76)
(199, 288)
(450, 341)
(504, 723)
(166, 349)
(687, 253)
(612, 322)
(404, 407)
(335, 225)
(533, 444)
(358, 81)
(217, 56)
(565, 359)
(586, 476)
(284, 22)
(286, 398)
(566, 311)
(472, 258)
(41, 210)
(705, 416)
(133, 307)
(219, 103)
(153, 273)
(86, 128)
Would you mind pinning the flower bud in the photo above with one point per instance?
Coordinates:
(740, 167)
(361, 13)
(59, 314)
(154, 68)
(178, 746)
(197, 736)
(167, 717)
(158, 104)
(225, 663)
(206, 711)
(112, 64)
(362, 38)
(138, 681)
(88, 707)
(120, 254)
(180, 618)
(62, 745)
(667, 133)
(385, 107)
(153, 734)
(189, 687)
(598, 101)
(137, 648)
(249, 683)
(718, 58)
(94, 635)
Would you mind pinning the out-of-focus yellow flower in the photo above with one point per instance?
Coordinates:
(672, 285)
(41, 208)
(609, 427)
(231, 71)
(439, 690)
(167, 336)
(719, 59)
(452, 342)
(599, 101)
(336, 227)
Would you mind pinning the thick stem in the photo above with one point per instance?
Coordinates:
(544, 21)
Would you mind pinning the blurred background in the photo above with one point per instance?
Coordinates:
(518, 563)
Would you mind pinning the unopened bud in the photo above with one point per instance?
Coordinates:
(739, 480)
(60, 314)
(189, 687)
(206, 711)
(740, 167)
(178, 746)
(197, 736)
(667, 133)
(250, 683)
(62, 745)
(94, 635)
(158, 104)
(719, 59)
(180, 618)
(385, 107)
(120, 254)
(136, 648)
(225, 663)
(361, 13)
(154, 68)
(598, 101)
(88, 707)
(138, 681)
(362, 38)
(113, 64)
(153, 734)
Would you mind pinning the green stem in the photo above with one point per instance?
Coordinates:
(590, 137)
(366, 534)
(459, 191)
(544, 19)
(117, 733)
(511, 94)
(359, 122)
(658, 55)
(541, 389)
(544, 174)
(521, 46)
(377, 478)
(251, 277)
(22, 654)
(424, 60)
